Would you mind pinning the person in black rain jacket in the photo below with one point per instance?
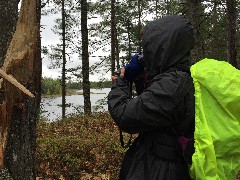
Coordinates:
(164, 110)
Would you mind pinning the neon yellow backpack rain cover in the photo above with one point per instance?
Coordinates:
(217, 116)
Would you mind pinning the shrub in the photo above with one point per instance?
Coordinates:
(77, 146)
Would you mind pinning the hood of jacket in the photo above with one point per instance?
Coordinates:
(167, 43)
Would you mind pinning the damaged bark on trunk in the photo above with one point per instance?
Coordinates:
(9, 15)
(18, 111)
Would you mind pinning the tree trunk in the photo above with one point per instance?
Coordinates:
(113, 31)
(9, 16)
(63, 83)
(116, 42)
(214, 36)
(232, 33)
(139, 26)
(117, 51)
(85, 58)
(129, 52)
(194, 14)
(18, 112)
(156, 9)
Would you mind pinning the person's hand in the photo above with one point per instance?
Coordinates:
(122, 72)
(114, 78)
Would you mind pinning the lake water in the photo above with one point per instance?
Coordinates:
(51, 108)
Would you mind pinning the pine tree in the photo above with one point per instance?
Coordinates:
(85, 57)
(63, 83)
(9, 16)
(18, 111)
(232, 31)
(194, 13)
(113, 37)
(58, 53)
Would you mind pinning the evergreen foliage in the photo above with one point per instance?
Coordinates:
(52, 86)
(209, 18)
(211, 25)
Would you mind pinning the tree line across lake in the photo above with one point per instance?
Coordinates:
(52, 86)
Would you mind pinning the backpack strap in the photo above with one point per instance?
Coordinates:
(122, 141)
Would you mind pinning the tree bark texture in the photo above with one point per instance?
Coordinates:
(116, 41)
(85, 58)
(215, 39)
(117, 50)
(8, 19)
(139, 26)
(64, 61)
(113, 31)
(18, 112)
(232, 32)
(194, 14)
(129, 52)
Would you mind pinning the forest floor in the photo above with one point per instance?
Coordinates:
(79, 148)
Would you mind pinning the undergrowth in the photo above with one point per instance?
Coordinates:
(78, 147)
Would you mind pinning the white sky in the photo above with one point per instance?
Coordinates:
(49, 38)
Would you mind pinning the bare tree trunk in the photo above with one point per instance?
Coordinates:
(117, 50)
(232, 33)
(139, 26)
(18, 112)
(214, 37)
(116, 42)
(167, 11)
(194, 14)
(85, 58)
(113, 31)
(129, 55)
(63, 84)
(8, 20)
(156, 8)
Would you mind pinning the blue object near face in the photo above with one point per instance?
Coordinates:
(134, 68)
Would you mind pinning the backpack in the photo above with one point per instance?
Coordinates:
(217, 120)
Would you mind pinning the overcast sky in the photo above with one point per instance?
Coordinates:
(49, 38)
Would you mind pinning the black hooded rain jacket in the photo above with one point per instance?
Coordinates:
(164, 110)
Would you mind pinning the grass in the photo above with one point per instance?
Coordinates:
(78, 147)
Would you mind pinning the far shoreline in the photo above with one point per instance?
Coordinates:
(69, 92)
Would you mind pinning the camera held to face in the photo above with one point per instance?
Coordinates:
(134, 68)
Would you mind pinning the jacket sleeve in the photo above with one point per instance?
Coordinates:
(153, 109)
